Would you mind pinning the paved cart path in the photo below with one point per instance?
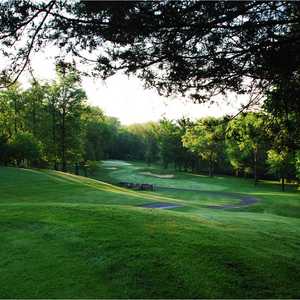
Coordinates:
(244, 200)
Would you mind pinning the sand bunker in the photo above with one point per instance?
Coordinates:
(111, 168)
(158, 175)
(115, 163)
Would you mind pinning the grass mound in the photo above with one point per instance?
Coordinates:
(65, 236)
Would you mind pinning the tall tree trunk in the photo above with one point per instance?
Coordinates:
(15, 116)
(255, 166)
(283, 175)
(63, 141)
(210, 166)
(282, 183)
(34, 118)
(85, 169)
(210, 174)
(193, 166)
(166, 164)
(76, 169)
(185, 168)
(54, 135)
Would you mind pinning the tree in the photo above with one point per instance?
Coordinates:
(94, 133)
(167, 141)
(236, 157)
(151, 142)
(128, 145)
(245, 138)
(297, 165)
(283, 105)
(55, 114)
(33, 110)
(12, 109)
(51, 124)
(194, 48)
(204, 139)
(138, 133)
(170, 141)
(191, 47)
(69, 105)
(185, 158)
(113, 127)
(278, 164)
(6, 115)
(5, 150)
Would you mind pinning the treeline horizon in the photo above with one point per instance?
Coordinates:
(51, 125)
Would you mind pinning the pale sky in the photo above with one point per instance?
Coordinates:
(126, 98)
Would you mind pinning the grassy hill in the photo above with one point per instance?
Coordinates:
(66, 236)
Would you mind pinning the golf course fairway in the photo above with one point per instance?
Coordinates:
(67, 236)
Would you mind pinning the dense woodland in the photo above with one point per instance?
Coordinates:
(50, 125)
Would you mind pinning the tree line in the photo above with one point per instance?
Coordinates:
(253, 144)
(51, 125)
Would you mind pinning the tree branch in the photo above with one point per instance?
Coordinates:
(31, 45)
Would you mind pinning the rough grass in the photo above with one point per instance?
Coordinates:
(64, 236)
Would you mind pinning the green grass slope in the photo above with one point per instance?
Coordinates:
(65, 236)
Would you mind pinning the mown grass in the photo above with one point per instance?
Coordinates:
(218, 190)
(64, 236)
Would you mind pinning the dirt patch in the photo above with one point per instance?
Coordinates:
(166, 176)
(161, 205)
